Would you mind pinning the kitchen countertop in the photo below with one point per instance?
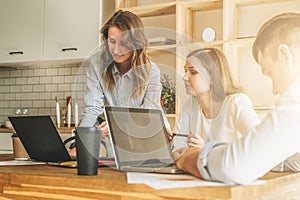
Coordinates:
(63, 130)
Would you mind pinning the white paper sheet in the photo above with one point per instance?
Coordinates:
(20, 162)
(167, 181)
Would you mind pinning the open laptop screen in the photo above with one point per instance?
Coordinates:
(138, 135)
(40, 138)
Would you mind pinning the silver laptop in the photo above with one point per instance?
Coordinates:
(139, 140)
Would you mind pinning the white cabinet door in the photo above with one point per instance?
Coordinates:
(21, 30)
(71, 28)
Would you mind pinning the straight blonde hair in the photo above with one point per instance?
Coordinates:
(216, 64)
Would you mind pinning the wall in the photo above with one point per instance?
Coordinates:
(35, 88)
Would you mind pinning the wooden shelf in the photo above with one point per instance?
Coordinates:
(256, 2)
(201, 5)
(227, 18)
(154, 10)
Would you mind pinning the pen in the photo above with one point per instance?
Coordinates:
(180, 135)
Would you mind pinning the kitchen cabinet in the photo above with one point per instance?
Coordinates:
(43, 30)
(71, 28)
(235, 23)
(21, 25)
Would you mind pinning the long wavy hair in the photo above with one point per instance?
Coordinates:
(216, 64)
(135, 38)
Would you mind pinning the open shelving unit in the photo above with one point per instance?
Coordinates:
(235, 22)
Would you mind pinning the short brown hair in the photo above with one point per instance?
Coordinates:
(283, 28)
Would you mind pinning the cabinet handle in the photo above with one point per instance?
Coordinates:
(69, 49)
(15, 52)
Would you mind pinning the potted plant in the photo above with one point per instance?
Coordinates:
(167, 98)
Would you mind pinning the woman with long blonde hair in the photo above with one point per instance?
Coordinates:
(121, 73)
(216, 109)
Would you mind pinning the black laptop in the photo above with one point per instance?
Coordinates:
(40, 138)
(42, 142)
(139, 140)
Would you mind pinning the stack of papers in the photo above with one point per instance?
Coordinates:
(167, 181)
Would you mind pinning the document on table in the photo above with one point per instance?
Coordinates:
(20, 162)
(167, 181)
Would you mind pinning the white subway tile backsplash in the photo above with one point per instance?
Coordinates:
(78, 87)
(15, 104)
(82, 70)
(44, 111)
(34, 96)
(50, 103)
(27, 72)
(33, 80)
(52, 72)
(26, 104)
(70, 79)
(9, 111)
(5, 74)
(10, 81)
(15, 88)
(58, 79)
(10, 96)
(27, 88)
(64, 71)
(64, 87)
(16, 73)
(39, 88)
(4, 88)
(38, 104)
(4, 104)
(81, 79)
(51, 88)
(45, 80)
(21, 81)
(79, 95)
(34, 111)
(21, 96)
(39, 72)
(74, 70)
(35, 88)
(60, 95)
(45, 95)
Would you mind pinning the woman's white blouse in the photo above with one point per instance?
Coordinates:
(235, 119)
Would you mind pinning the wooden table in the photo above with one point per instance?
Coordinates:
(48, 182)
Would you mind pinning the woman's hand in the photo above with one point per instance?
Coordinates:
(170, 134)
(72, 152)
(195, 140)
(103, 127)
